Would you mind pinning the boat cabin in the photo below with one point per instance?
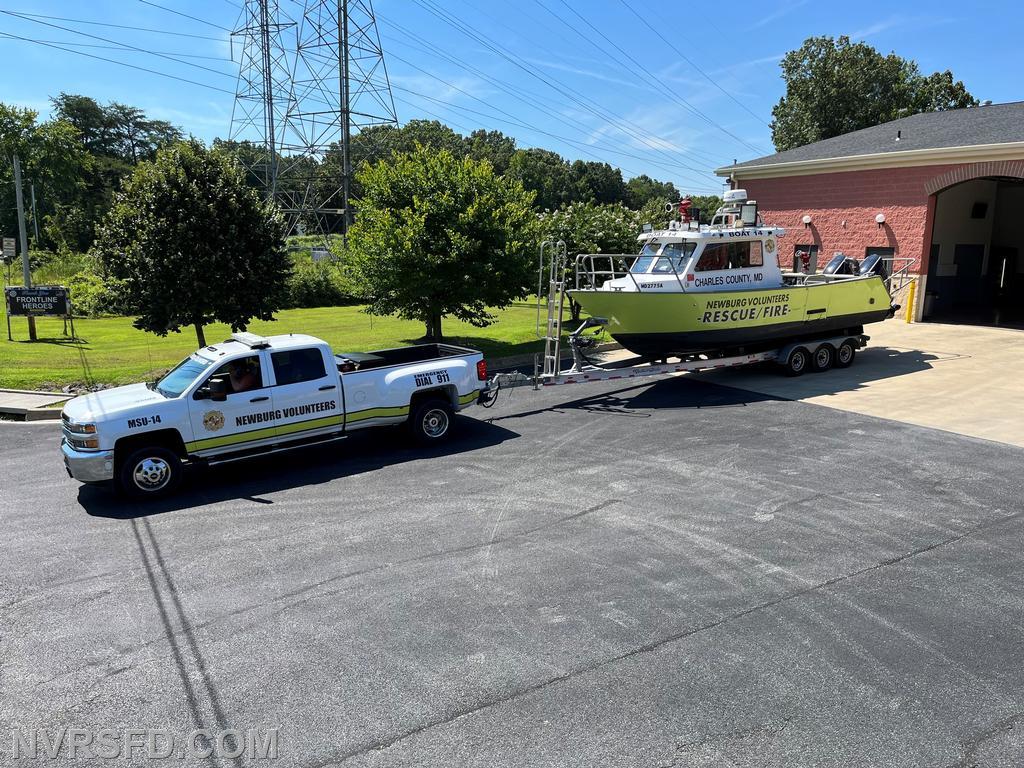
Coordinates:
(705, 259)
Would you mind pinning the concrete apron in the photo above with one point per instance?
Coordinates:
(32, 406)
(959, 378)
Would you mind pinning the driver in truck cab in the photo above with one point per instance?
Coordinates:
(244, 374)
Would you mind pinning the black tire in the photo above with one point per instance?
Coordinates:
(432, 421)
(845, 355)
(149, 473)
(823, 358)
(798, 362)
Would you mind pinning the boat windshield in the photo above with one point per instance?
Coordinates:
(646, 258)
(673, 258)
(183, 374)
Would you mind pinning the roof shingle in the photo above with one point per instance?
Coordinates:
(992, 124)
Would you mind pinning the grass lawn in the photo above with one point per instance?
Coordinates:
(111, 351)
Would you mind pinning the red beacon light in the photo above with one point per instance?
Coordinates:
(684, 210)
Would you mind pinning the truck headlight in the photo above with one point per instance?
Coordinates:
(87, 443)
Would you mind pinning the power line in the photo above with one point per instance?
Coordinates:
(689, 61)
(574, 96)
(531, 100)
(121, 26)
(187, 16)
(513, 120)
(121, 47)
(116, 42)
(699, 155)
(115, 61)
(630, 62)
(579, 145)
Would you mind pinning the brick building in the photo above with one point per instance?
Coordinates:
(945, 189)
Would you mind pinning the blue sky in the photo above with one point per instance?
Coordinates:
(606, 88)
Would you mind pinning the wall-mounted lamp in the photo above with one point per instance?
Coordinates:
(806, 220)
(880, 220)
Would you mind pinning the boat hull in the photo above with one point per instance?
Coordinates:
(657, 324)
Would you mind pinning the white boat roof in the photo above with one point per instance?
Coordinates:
(710, 233)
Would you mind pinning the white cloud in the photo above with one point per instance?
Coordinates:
(783, 10)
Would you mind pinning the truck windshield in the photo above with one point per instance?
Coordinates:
(183, 374)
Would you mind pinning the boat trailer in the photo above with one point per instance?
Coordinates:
(795, 357)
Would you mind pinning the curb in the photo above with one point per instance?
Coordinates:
(49, 411)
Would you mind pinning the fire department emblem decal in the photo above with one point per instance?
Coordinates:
(769, 245)
(213, 420)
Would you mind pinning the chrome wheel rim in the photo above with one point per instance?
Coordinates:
(151, 474)
(435, 422)
(797, 361)
(823, 357)
(845, 353)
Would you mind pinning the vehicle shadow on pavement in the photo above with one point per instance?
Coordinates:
(872, 364)
(363, 451)
(645, 395)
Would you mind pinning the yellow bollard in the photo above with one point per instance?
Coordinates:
(910, 300)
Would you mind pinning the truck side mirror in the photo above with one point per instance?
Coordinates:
(218, 390)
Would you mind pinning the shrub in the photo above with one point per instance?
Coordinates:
(320, 284)
(93, 296)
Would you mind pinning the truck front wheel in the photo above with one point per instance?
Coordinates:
(150, 472)
(432, 420)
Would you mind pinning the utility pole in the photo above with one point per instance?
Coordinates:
(26, 269)
(35, 218)
(346, 116)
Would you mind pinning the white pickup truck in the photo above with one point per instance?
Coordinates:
(251, 396)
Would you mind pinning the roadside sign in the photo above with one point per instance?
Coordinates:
(40, 301)
(9, 249)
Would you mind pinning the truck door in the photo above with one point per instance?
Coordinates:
(307, 393)
(244, 419)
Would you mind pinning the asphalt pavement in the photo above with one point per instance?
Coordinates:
(667, 573)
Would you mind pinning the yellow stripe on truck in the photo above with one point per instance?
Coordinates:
(305, 426)
(263, 434)
(377, 413)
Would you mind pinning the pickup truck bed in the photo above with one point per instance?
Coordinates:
(381, 358)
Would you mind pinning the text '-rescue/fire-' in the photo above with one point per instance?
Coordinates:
(746, 308)
(284, 413)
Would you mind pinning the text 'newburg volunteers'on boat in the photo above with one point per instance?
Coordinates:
(699, 288)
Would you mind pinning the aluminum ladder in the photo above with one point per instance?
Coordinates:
(554, 271)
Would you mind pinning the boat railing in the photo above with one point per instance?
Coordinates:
(895, 274)
(593, 270)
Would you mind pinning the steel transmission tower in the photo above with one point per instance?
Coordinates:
(308, 81)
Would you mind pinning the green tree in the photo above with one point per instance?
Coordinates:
(590, 228)
(53, 159)
(642, 189)
(192, 244)
(597, 182)
(834, 86)
(707, 205)
(116, 137)
(544, 173)
(493, 146)
(441, 235)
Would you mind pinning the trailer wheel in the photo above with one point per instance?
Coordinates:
(797, 362)
(845, 354)
(432, 421)
(149, 473)
(823, 358)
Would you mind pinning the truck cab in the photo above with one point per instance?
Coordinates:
(251, 395)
